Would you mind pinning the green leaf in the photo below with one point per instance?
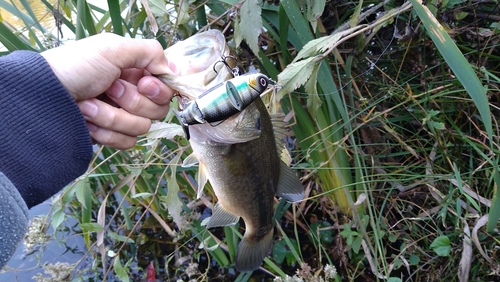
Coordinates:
(91, 226)
(120, 272)
(279, 252)
(457, 62)
(238, 36)
(355, 16)
(81, 188)
(452, 3)
(394, 279)
(183, 12)
(251, 24)
(209, 244)
(323, 43)
(321, 228)
(173, 202)
(313, 100)
(441, 245)
(158, 7)
(314, 10)
(356, 244)
(58, 216)
(494, 215)
(414, 260)
(143, 195)
(120, 238)
(294, 76)
(282, 251)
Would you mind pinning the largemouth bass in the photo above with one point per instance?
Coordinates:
(238, 156)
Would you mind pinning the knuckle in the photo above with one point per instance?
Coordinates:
(113, 120)
(142, 126)
(135, 104)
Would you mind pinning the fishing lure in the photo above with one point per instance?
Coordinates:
(223, 100)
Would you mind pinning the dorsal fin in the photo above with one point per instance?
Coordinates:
(279, 128)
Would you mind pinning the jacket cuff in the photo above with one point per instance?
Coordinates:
(44, 137)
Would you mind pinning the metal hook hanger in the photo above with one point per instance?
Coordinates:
(235, 71)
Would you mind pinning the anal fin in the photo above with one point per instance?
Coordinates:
(289, 186)
(221, 217)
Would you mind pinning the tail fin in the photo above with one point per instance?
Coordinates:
(252, 252)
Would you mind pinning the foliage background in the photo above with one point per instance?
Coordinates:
(394, 112)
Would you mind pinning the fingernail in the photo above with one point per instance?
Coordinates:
(173, 68)
(92, 127)
(88, 108)
(116, 90)
(151, 90)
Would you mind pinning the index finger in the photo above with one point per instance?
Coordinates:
(140, 53)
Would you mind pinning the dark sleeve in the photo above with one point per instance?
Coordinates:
(44, 141)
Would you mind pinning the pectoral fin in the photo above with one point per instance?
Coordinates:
(202, 179)
(190, 161)
(289, 186)
(221, 217)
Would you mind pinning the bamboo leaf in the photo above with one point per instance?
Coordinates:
(91, 226)
(457, 62)
(80, 19)
(11, 41)
(120, 271)
(173, 202)
(116, 18)
(495, 203)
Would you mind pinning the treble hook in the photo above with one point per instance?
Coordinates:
(235, 71)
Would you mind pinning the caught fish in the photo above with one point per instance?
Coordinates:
(239, 156)
(223, 100)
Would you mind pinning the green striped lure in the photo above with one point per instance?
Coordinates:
(223, 100)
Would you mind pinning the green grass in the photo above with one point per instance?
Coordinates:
(395, 140)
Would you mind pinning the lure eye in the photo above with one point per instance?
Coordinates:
(263, 81)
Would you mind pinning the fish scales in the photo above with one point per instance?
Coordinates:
(238, 155)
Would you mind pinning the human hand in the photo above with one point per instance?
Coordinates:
(110, 78)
